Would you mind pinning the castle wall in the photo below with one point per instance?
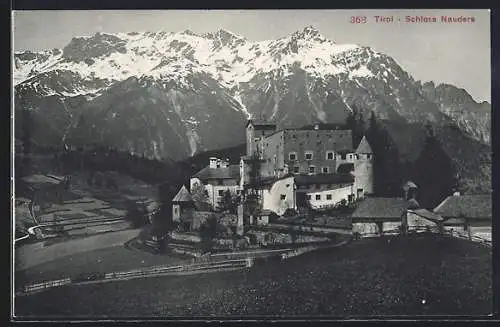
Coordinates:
(317, 142)
(273, 150)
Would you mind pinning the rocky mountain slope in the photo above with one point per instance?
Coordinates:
(172, 95)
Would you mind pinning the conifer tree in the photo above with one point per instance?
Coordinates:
(434, 172)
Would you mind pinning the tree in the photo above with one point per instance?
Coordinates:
(162, 219)
(208, 231)
(137, 214)
(254, 174)
(355, 122)
(434, 173)
(387, 170)
(227, 202)
(200, 197)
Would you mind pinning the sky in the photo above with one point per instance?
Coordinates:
(455, 53)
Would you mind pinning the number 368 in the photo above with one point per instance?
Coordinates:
(358, 19)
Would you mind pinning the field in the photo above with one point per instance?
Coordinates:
(31, 255)
(111, 259)
(419, 275)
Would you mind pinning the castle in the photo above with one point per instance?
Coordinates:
(315, 166)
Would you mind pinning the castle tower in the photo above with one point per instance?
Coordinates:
(250, 136)
(363, 169)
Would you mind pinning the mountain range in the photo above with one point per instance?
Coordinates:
(172, 95)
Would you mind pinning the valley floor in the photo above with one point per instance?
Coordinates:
(418, 275)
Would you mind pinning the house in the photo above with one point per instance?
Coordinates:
(217, 178)
(275, 194)
(423, 220)
(377, 215)
(182, 204)
(469, 215)
(324, 190)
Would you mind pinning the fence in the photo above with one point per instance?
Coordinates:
(466, 236)
(144, 272)
(44, 285)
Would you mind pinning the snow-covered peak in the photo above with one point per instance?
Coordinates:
(227, 57)
(309, 33)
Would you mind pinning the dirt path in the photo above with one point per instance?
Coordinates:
(31, 255)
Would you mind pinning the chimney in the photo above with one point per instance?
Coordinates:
(213, 162)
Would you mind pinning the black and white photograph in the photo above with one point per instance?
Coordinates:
(251, 164)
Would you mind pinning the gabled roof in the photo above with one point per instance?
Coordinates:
(424, 213)
(364, 147)
(374, 207)
(324, 126)
(183, 195)
(264, 182)
(466, 206)
(230, 172)
(323, 179)
(345, 168)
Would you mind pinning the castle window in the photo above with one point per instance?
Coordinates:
(312, 169)
(283, 196)
(309, 196)
(325, 170)
(343, 156)
(350, 156)
(296, 169)
(328, 196)
(318, 196)
(238, 192)
(368, 156)
(221, 192)
(309, 155)
(206, 192)
(292, 156)
(330, 155)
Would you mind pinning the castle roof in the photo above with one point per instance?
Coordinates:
(323, 127)
(229, 172)
(323, 179)
(183, 195)
(342, 138)
(345, 168)
(261, 124)
(477, 206)
(364, 147)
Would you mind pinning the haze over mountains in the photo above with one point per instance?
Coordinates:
(165, 94)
